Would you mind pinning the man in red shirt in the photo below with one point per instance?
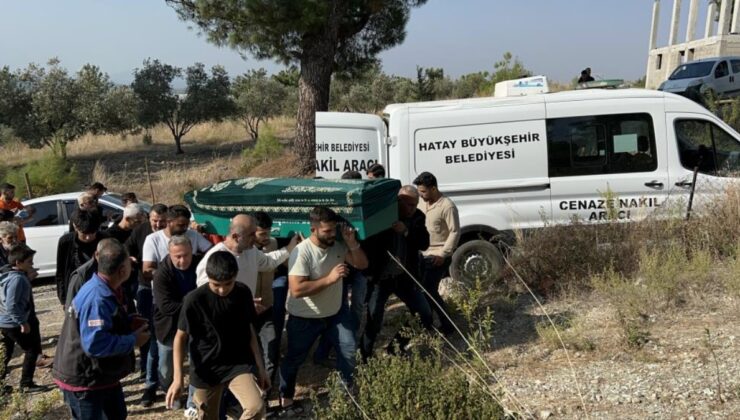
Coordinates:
(8, 202)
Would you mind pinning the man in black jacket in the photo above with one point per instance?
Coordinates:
(406, 238)
(175, 277)
(76, 248)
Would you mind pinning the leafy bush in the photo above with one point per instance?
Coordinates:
(266, 148)
(414, 387)
(49, 175)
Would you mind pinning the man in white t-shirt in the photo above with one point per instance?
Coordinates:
(240, 243)
(316, 269)
(156, 248)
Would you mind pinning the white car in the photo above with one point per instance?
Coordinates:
(51, 220)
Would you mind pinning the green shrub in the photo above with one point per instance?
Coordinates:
(266, 148)
(414, 387)
(49, 175)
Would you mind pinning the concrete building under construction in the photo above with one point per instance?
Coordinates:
(722, 39)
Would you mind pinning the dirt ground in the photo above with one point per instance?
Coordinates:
(688, 369)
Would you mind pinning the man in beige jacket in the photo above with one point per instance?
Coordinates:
(443, 224)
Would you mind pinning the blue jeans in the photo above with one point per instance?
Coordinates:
(93, 405)
(431, 277)
(303, 332)
(358, 283)
(380, 291)
(166, 370)
(144, 305)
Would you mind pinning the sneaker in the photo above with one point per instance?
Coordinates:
(191, 413)
(147, 399)
(32, 388)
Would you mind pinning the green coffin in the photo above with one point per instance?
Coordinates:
(370, 206)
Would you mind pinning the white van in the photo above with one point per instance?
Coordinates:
(518, 163)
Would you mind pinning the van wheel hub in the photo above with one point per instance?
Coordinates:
(476, 265)
(475, 260)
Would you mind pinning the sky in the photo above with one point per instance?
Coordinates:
(555, 38)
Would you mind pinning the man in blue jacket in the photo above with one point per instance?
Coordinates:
(18, 321)
(96, 345)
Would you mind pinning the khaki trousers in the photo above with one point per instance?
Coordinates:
(245, 389)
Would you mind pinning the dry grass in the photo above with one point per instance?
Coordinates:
(212, 153)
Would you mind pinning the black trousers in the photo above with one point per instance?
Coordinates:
(31, 345)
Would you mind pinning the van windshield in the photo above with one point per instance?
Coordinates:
(692, 70)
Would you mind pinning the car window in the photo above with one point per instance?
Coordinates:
(722, 70)
(109, 212)
(735, 66)
(45, 214)
(709, 148)
(70, 206)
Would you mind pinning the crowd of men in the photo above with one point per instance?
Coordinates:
(152, 281)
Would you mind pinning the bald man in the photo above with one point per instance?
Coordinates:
(240, 243)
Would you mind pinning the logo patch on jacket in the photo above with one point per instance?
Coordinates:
(95, 323)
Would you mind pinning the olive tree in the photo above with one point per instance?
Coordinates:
(206, 98)
(258, 98)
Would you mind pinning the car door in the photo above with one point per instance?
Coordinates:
(707, 146)
(735, 77)
(721, 79)
(43, 231)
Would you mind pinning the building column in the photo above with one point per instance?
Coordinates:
(735, 28)
(691, 26)
(654, 25)
(675, 21)
(724, 17)
(711, 11)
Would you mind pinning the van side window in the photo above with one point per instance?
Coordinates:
(601, 144)
(704, 145)
(722, 70)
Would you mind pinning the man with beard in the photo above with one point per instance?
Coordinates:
(156, 249)
(316, 269)
(443, 225)
(8, 238)
(405, 239)
(76, 248)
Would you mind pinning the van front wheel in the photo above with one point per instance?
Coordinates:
(476, 259)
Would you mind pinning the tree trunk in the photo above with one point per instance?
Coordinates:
(317, 65)
(178, 137)
(313, 96)
(59, 147)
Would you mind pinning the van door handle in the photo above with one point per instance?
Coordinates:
(654, 184)
(684, 184)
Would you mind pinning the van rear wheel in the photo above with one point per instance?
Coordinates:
(476, 259)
